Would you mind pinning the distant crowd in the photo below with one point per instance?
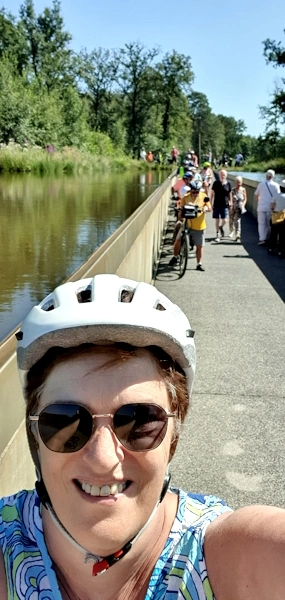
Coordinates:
(197, 186)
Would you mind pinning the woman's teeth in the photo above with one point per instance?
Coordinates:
(105, 490)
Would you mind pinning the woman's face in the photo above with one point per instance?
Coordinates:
(105, 523)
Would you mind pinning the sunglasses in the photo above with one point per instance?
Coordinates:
(68, 427)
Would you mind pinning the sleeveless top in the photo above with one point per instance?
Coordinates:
(238, 197)
(180, 571)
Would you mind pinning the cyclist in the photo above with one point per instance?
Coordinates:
(198, 181)
(107, 366)
(180, 170)
(197, 226)
(181, 185)
(100, 360)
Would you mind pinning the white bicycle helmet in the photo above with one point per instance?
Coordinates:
(103, 310)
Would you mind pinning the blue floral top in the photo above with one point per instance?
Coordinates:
(180, 571)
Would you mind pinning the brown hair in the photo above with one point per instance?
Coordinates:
(170, 372)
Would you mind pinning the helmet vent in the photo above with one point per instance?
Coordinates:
(126, 295)
(48, 306)
(159, 306)
(84, 296)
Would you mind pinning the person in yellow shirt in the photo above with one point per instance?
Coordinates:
(197, 226)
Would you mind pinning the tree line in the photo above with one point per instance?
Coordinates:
(50, 95)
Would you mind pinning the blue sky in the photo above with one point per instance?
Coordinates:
(223, 39)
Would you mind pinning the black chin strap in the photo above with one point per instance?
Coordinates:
(100, 564)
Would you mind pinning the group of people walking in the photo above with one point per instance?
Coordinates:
(271, 222)
(196, 187)
(227, 204)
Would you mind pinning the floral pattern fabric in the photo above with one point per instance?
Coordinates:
(180, 572)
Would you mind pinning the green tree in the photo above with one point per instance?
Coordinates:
(274, 53)
(32, 34)
(248, 145)
(136, 81)
(175, 77)
(98, 70)
(14, 106)
(272, 116)
(74, 118)
(234, 130)
(201, 114)
(215, 136)
(50, 57)
(13, 44)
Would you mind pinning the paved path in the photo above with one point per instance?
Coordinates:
(233, 443)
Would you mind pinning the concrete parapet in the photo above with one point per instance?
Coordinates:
(131, 251)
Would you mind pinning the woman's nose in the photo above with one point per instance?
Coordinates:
(103, 447)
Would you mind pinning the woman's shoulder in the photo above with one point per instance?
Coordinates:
(17, 501)
(18, 512)
(194, 514)
(251, 544)
(196, 509)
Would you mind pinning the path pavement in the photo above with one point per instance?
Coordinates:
(233, 443)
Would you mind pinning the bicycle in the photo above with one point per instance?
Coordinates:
(189, 211)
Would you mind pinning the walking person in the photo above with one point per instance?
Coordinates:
(174, 155)
(277, 231)
(264, 193)
(239, 199)
(207, 176)
(194, 159)
(221, 200)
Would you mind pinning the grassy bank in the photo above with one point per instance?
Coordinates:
(17, 159)
(277, 164)
(30, 159)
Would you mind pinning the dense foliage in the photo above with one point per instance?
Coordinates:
(110, 101)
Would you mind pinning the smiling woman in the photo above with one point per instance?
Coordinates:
(107, 368)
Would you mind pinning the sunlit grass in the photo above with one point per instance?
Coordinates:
(32, 159)
(17, 159)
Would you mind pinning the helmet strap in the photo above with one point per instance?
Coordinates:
(100, 564)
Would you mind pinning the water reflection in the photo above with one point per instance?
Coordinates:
(48, 227)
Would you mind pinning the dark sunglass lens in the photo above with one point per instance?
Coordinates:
(65, 427)
(140, 427)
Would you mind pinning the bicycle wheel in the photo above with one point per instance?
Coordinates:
(183, 255)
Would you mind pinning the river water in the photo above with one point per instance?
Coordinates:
(49, 226)
(258, 176)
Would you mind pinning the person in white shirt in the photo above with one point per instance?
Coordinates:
(264, 193)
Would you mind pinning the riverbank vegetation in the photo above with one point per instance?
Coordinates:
(277, 164)
(61, 111)
(34, 159)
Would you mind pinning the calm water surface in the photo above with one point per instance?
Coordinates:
(48, 227)
(258, 176)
